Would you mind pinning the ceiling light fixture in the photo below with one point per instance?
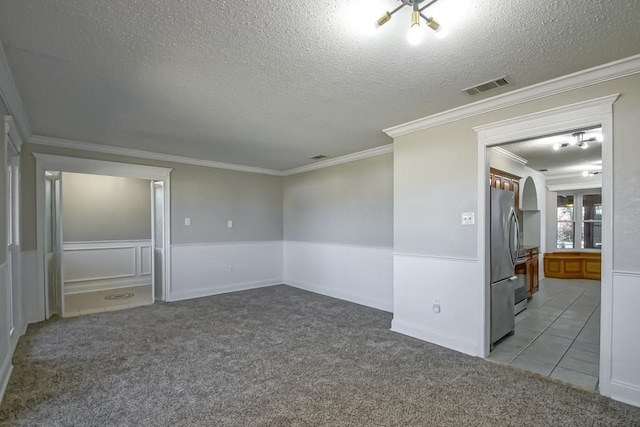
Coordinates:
(578, 140)
(415, 34)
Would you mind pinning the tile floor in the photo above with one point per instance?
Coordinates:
(96, 302)
(558, 335)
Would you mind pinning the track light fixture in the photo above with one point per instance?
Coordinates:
(416, 33)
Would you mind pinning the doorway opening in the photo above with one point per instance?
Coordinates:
(550, 322)
(591, 114)
(103, 234)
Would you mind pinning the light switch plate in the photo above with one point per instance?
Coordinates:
(229, 224)
(468, 218)
(187, 221)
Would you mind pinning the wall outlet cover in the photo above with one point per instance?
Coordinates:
(468, 218)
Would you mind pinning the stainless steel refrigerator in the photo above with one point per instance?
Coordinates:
(505, 241)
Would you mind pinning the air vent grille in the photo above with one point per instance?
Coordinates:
(318, 157)
(483, 87)
(543, 170)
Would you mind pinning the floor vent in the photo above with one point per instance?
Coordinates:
(318, 157)
(483, 87)
(119, 296)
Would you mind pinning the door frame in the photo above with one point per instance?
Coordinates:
(97, 167)
(595, 112)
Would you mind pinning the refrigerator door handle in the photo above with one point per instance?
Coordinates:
(512, 220)
(517, 225)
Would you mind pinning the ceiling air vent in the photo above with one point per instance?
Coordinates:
(318, 157)
(543, 170)
(483, 87)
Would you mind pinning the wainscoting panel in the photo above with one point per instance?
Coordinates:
(5, 345)
(625, 338)
(420, 282)
(360, 274)
(94, 266)
(200, 270)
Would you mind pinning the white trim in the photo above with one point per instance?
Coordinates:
(141, 260)
(239, 242)
(567, 175)
(14, 136)
(626, 273)
(372, 152)
(11, 97)
(129, 152)
(596, 112)
(341, 295)
(436, 257)
(509, 155)
(82, 165)
(574, 186)
(602, 73)
(105, 285)
(5, 372)
(233, 287)
(104, 242)
(445, 340)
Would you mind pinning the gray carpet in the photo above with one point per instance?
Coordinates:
(277, 357)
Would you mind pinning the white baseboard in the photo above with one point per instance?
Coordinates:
(101, 285)
(5, 373)
(233, 287)
(346, 296)
(420, 332)
(623, 392)
(359, 274)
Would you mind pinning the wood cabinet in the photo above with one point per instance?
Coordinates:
(573, 265)
(530, 269)
(506, 181)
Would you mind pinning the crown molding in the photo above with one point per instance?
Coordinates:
(129, 152)
(372, 152)
(509, 155)
(602, 73)
(11, 97)
(575, 186)
(569, 175)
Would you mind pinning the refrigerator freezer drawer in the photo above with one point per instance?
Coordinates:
(502, 310)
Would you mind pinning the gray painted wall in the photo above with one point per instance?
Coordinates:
(98, 207)
(350, 203)
(3, 192)
(208, 196)
(436, 174)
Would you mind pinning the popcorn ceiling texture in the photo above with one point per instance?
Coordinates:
(271, 83)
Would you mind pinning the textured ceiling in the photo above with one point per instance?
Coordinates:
(572, 159)
(271, 83)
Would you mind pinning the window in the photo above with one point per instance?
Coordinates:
(579, 221)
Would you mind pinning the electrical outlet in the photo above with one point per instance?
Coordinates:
(436, 306)
(229, 224)
(231, 269)
(187, 221)
(467, 218)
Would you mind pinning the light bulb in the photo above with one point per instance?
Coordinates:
(556, 147)
(415, 34)
(584, 146)
(585, 173)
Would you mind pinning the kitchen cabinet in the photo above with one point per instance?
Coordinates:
(530, 268)
(506, 181)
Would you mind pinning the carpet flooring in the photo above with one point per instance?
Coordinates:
(274, 356)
